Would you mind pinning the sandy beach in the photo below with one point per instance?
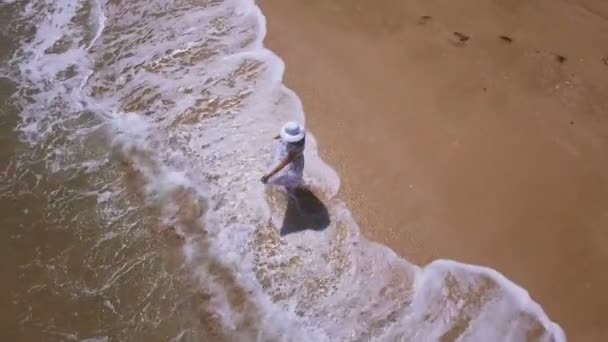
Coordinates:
(473, 131)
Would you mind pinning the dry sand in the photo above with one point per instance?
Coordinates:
(486, 150)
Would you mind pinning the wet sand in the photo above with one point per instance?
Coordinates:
(474, 131)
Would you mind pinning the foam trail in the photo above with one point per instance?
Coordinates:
(100, 17)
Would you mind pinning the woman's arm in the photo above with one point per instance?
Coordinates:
(288, 159)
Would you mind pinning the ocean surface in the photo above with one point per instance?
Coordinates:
(133, 137)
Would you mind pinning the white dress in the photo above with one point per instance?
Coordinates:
(291, 175)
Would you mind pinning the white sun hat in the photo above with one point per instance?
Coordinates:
(292, 132)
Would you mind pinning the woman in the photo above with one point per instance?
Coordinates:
(289, 158)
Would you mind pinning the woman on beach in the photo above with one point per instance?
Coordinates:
(289, 158)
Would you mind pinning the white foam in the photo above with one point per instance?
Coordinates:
(179, 336)
(110, 306)
(96, 339)
(100, 21)
(104, 196)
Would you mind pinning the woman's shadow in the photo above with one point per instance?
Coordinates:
(304, 211)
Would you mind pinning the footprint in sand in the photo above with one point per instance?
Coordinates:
(461, 39)
(560, 59)
(506, 39)
(424, 19)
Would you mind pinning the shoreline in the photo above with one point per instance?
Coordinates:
(446, 148)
